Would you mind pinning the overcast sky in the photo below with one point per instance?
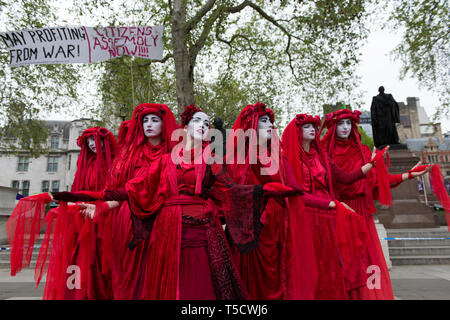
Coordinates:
(378, 68)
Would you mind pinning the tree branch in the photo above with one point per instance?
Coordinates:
(272, 20)
(199, 44)
(200, 14)
(167, 57)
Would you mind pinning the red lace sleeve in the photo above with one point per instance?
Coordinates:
(242, 206)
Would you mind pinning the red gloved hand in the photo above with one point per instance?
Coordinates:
(78, 196)
(42, 196)
(419, 168)
(276, 189)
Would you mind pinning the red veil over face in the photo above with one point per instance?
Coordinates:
(106, 145)
(293, 148)
(132, 139)
(351, 154)
(298, 268)
(247, 119)
(27, 219)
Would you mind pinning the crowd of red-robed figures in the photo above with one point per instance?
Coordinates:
(144, 220)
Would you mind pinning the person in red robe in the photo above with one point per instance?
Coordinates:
(342, 141)
(180, 201)
(315, 173)
(70, 240)
(283, 265)
(143, 140)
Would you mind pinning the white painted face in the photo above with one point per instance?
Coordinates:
(344, 128)
(91, 144)
(265, 127)
(309, 132)
(152, 125)
(198, 126)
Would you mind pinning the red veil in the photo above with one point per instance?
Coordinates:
(132, 140)
(135, 155)
(292, 137)
(331, 145)
(298, 269)
(27, 219)
(66, 227)
(103, 160)
(349, 153)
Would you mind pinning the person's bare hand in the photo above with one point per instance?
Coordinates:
(87, 209)
(347, 207)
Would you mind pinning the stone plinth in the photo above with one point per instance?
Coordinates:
(406, 211)
(382, 235)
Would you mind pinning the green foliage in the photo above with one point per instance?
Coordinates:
(365, 139)
(425, 49)
(22, 132)
(300, 52)
(29, 92)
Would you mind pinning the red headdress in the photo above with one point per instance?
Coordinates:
(188, 113)
(132, 140)
(293, 149)
(106, 145)
(247, 119)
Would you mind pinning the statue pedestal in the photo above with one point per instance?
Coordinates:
(382, 235)
(406, 211)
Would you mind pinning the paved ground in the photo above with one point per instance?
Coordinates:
(428, 282)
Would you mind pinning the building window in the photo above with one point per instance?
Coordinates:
(54, 142)
(70, 160)
(45, 186)
(15, 184)
(52, 164)
(25, 188)
(22, 164)
(55, 186)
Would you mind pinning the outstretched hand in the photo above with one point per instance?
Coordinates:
(374, 153)
(276, 189)
(417, 171)
(87, 209)
(348, 207)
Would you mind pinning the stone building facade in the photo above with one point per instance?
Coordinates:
(414, 121)
(52, 172)
(432, 150)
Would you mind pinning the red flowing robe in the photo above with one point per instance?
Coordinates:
(187, 254)
(76, 250)
(282, 266)
(331, 279)
(126, 266)
(359, 195)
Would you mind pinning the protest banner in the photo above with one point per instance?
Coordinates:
(82, 44)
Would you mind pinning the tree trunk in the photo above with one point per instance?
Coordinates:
(184, 70)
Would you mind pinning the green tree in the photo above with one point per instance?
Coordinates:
(425, 47)
(365, 139)
(305, 48)
(26, 93)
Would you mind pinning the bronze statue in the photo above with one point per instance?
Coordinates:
(385, 114)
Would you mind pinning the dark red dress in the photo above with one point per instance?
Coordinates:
(188, 256)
